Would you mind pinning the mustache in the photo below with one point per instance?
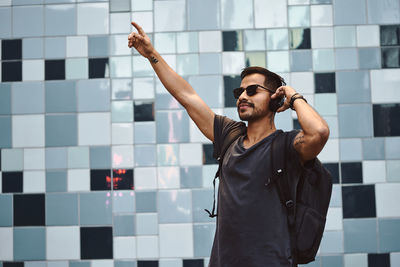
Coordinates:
(244, 101)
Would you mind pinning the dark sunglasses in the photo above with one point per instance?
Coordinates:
(250, 90)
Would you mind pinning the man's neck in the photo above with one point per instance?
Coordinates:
(259, 129)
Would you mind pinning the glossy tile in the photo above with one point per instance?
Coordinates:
(265, 14)
(255, 59)
(62, 209)
(122, 111)
(168, 177)
(144, 111)
(390, 57)
(355, 114)
(299, 16)
(391, 9)
(146, 201)
(301, 60)
(118, 45)
(29, 209)
(145, 178)
(232, 40)
(172, 126)
(299, 38)
(326, 104)
(388, 235)
(191, 177)
(206, 83)
(61, 130)
(124, 225)
(121, 89)
(99, 68)
(144, 132)
(146, 224)
(77, 46)
(76, 68)
(145, 19)
(385, 119)
(325, 82)
(68, 248)
(323, 60)
(353, 87)
(187, 42)
(56, 158)
(139, 5)
(29, 243)
(123, 179)
(386, 195)
(100, 180)
(385, 78)
(123, 201)
(187, 64)
(141, 67)
(210, 41)
(332, 242)
(176, 240)
(237, 14)
(11, 49)
(93, 95)
(352, 172)
(54, 69)
(100, 157)
(145, 155)
(98, 237)
(174, 206)
(346, 59)
(5, 20)
(34, 182)
(322, 37)
(98, 46)
(278, 61)
(349, 13)
(12, 182)
(120, 6)
(34, 124)
(56, 181)
(5, 131)
(60, 20)
(358, 201)
(60, 96)
(12, 159)
(143, 88)
(382, 260)
(345, 36)
(124, 247)
(120, 67)
(122, 134)
(164, 11)
(373, 148)
(54, 47)
(123, 156)
(254, 40)
(27, 98)
(11, 71)
(369, 58)
(33, 70)
(321, 15)
(94, 129)
(88, 16)
(28, 21)
(201, 199)
(374, 171)
(392, 166)
(198, 11)
(78, 180)
(167, 154)
(190, 154)
(95, 208)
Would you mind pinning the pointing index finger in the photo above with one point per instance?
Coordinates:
(138, 28)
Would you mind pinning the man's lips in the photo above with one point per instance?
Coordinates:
(245, 105)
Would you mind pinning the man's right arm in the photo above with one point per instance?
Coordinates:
(180, 89)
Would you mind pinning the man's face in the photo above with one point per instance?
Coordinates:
(252, 108)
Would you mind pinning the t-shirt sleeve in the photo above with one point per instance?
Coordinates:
(222, 127)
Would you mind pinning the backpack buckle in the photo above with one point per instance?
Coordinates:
(289, 204)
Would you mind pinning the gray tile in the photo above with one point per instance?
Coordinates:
(353, 87)
(392, 170)
(146, 224)
(369, 58)
(203, 236)
(202, 199)
(36, 264)
(383, 12)
(172, 126)
(350, 149)
(392, 150)
(124, 201)
(349, 12)
(95, 208)
(336, 198)
(301, 60)
(360, 235)
(355, 114)
(94, 95)
(332, 261)
(210, 63)
(79, 264)
(5, 98)
(12, 159)
(98, 46)
(61, 130)
(6, 211)
(174, 206)
(26, 2)
(100, 157)
(29, 243)
(145, 155)
(32, 48)
(389, 235)
(346, 58)
(56, 181)
(206, 84)
(60, 20)
(55, 47)
(332, 242)
(5, 22)
(120, 5)
(125, 263)
(345, 36)
(145, 132)
(146, 201)
(203, 15)
(236, 14)
(27, 97)
(166, 101)
(373, 148)
(124, 225)
(56, 158)
(62, 209)
(5, 131)
(28, 21)
(60, 96)
(191, 177)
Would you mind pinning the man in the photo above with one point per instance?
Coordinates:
(252, 225)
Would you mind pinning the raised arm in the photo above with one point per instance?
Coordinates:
(315, 131)
(181, 90)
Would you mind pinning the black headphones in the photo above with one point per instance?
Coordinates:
(276, 103)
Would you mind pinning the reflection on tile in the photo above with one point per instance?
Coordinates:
(299, 16)
(323, 60)
(141, 67)
(100, 180)
(277, 39)
(278, 61)
(123, 201)
(187, 64)
(265, 14)
(232, 40)
(171, 16)
(122, 111)
(172, 126)
(385, 119)
(89, 15)
(358, 201)
(390, 57)
(120, 67)
(143, 88)
(121, 89)
(168, 177)
(321, 15)
(99, 68)
(167, 154)
(300, 38)
(188, 42)
(236, 14)
(255, 59)
(122, 156)
(191, 177)
(254, 40)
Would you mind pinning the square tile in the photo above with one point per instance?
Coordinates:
(387, 79)
(124, 225)
(33, 70)
(322, 37)
(164, 11)
(374, 171)
(299, 16)
(323, 60)
(176, 240)
(34, 182)
(124, 247)
(191, 177)
(139, 5)
(100, 180)
(100, 157)
(93, 95)
(201, 199)
(389, 35)
(5, 20)
(117, 20)
(61, 130)
(198, 11)
(147, 247)
(143, 88)
(355, 260)
(278, 61)
(33, 48)
(359, 201)
(167, 154)
(29, 243)
(122, 111)
(277, 39)
(325, 82)
(381, 260)
(203, 239)
(76, 68)
(144, 19)
(360, 235)
(94, 129)
(345, 36)
(210, 41)
(264, 14)
(120, 6)
(392, 166)
(355, 114)
(299, 38)
(190, 154)
(350, 149)
(325, 104)
(232, 62)
(301, 60)
(206, 83)
(11, 71)
(56, 181)
(232, 40)
(95, 208)
(353, 87)
(6, 251)
(332, 242)
(145, 155)
(121, 89)
(87, 16)
(168, 177)
(172, 126)
(146, 224)
(124, 201)
(232, 18)
(334, 219)
(68, 248)
(349, 13)
(373, 148)
(29, 209)
(122, 134)
(78, 157)
(99, 238)
(187, 42)
(120, 66)
(123, 179)
(62, 209)
(28, 21)
(376, 10)
(321, 15)
(78, 180)
(6, 211)
(27, 97)
(389, 235)
(12, 159)
(368, 35)
(98, 46)
(56, 158)
(174, 206)
(77, 46)
(145, 178)
(145, 132)
(352, 172)
(386, 196)
(54, 69)
(188, 64)
(60, 20)
(144, 111)
(122, 156)
(34, 124)
(99, 68)
(11, 49)
(54, 47)
(385, 116)
(369, 58)
(12, 182)
(332, 261)
(346, 59)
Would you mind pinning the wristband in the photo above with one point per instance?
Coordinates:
(294, 98)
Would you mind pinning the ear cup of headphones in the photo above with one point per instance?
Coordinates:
(276, 103)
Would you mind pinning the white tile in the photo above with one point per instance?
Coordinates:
(321, 15)
(322, 37)
(6, 244)
(102, 263)
(169, 16)
(94, 129)
(34, 182)
(196, 136)
(278, 61)
(385, 84)
(63, 243)
(299, 16)
(146, 224)
(5, 3)
(78, 157)
(387, 199)
(143, 88)
(210, 41)
(168, 177)
(122, 156)
(76, 68)
(34, 159)
(118, 45)
(121, 66)
(167, 154)
(368, 35)
(374, 171)
(236, 14)
(147, 247)
(302, 82)
(33, 70)
(12, 159)
(334, 219)
(172, 263)
(93, 18)
(232, 62)
(165, 43)
(353, 260)
(323, 59)
(270, 13)
(32, 124)
(124, 247)
(139, 5)
(141, 67)
(145, 178)
(122, 134)
(144, 19)
(119, 23)
(77, 46)
(78, 180)
(190, 154)
(330, 152)
(394, 259)
(208, 175)
(176, 240)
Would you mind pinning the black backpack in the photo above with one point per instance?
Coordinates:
(306, 207)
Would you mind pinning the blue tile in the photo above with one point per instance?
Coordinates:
(191, 177)
(28, 21)
(56, 181)
(124, 201)
(392, 150)
(124, 225)
(94, 95)
(203, 236)
(202, 199)
(98, 46)
(6, 218)
(355, 114)
(389, 235)
(206, 84)
(301, 60)
(56, 158)
(5, 131)
(60, 20)
(373, 148)
(174, 206)
(100, 157)
(95, 208)
(29, 243)
(332, 242)
(35, 264)
(62, 209)
(172, 126)
(350, 149)
(360, 235)
(5, 99)
(61, 130)
(383, 12)
(203, 15)
(369, 58)
(349, 12)
(346, 58)
(332, 261)
(60, 96)
(145, 132)
(5, 21)
(55, 47)
(353, 87)
(125, 263)
(146, 202)
(146, 224)
(28, 97)
(32, 48)
(210, 63)
(79, 264)
(145, 155)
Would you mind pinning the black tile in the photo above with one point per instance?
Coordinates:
(12, 182)
(96, 243)
(11, 49)
(54, 69)
(123, 179)
(390, 35)
(232, 40)
(296, 124)
(100, 180)
(358, 201)
(11, 71)
(208, 154)
(351, 172)
(379, 260)
(230, 83)
(144, 111)
(386, 119)
(300, 38)
(333, 168)
(13, 264)
(390, 57)
(147, 263)
(98, 68)
(29, 210)
(193, 263)
(325, 82)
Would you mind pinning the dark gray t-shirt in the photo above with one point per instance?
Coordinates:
(252, 226)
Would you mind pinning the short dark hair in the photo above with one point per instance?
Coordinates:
(272, 80)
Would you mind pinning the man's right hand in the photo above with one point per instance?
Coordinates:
(140, 41)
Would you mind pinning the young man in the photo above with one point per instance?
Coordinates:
(252, 225)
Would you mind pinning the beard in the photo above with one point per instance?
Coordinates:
(252, 113)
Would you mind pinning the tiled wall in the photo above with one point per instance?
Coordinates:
(100, 167)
